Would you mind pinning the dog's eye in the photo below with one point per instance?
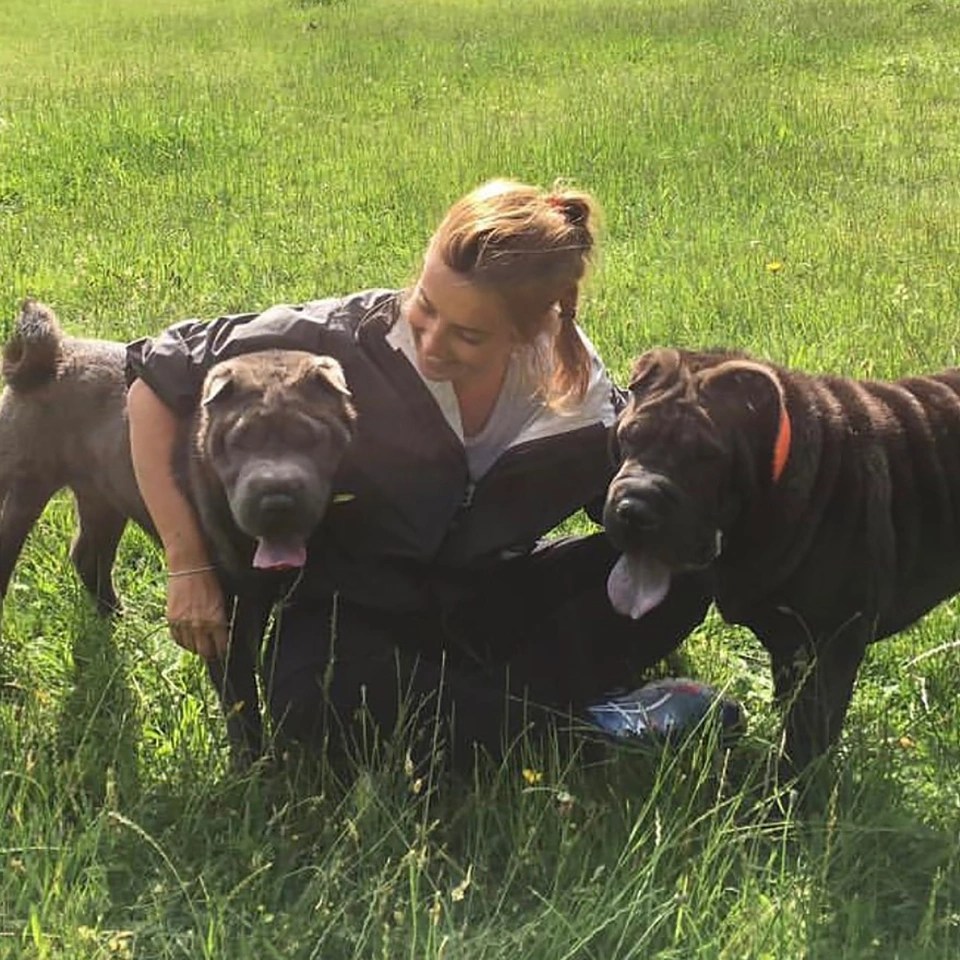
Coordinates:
(633, 436)
(306, 433)
(247, 435)
(301, 434)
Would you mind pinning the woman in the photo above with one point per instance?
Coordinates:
(483, 413)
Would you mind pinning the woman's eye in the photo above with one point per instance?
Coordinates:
(470, 337)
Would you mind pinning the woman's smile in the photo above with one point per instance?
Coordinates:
(458, 328)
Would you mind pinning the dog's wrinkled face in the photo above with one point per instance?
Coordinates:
(274, 427)
(680, 482)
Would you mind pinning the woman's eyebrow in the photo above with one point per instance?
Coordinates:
(425, 301)
(462, 327)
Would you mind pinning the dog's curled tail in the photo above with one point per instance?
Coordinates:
(32, 354)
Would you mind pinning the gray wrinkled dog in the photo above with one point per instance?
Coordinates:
(257, 460)
(63, 424)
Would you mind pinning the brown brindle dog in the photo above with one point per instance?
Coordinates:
(257, 461)
(828, 509)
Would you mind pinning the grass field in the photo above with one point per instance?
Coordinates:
(779, 175)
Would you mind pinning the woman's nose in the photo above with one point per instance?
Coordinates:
(431, 336)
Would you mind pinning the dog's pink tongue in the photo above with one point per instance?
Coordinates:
(636, 585)
(273, 555)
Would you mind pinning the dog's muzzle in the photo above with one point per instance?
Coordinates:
(647, 514)
(653, 524)
(640, 507)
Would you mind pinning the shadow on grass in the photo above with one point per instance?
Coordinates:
(98, 727)
(885, 868)
(538, 856)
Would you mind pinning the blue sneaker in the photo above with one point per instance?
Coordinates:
(664, 710)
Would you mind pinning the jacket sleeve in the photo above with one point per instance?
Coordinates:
(175, 362)
(594, 507)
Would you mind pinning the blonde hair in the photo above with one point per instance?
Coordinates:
(534, 246)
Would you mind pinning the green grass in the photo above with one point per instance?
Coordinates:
(167, 159)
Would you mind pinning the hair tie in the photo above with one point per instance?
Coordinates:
(568, 308)
(570, 208)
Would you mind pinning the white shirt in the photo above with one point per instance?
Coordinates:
(520, 413)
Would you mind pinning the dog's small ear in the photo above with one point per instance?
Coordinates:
(217, 386)
(652, 368)
(740, 387)
(753, 383)
(330, 371)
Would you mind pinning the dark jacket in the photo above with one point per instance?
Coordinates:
(414, 522)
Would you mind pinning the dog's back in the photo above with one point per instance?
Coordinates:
(31, 360)
(63, 424)
(63, 407)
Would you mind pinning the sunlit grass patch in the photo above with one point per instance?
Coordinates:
(776, 176)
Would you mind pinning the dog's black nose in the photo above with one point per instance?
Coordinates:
(638, 513)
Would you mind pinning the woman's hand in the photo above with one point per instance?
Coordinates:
(195, 608)
(195, 612)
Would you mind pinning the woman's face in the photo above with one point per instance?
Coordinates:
(460, 329)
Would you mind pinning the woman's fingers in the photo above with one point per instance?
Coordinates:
(207, 639)
(195, 614)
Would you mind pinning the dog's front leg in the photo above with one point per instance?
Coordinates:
(235, 679)
(817, 704)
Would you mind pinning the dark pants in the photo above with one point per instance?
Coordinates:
(535, 637)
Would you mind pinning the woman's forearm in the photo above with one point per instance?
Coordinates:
(153, 433)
